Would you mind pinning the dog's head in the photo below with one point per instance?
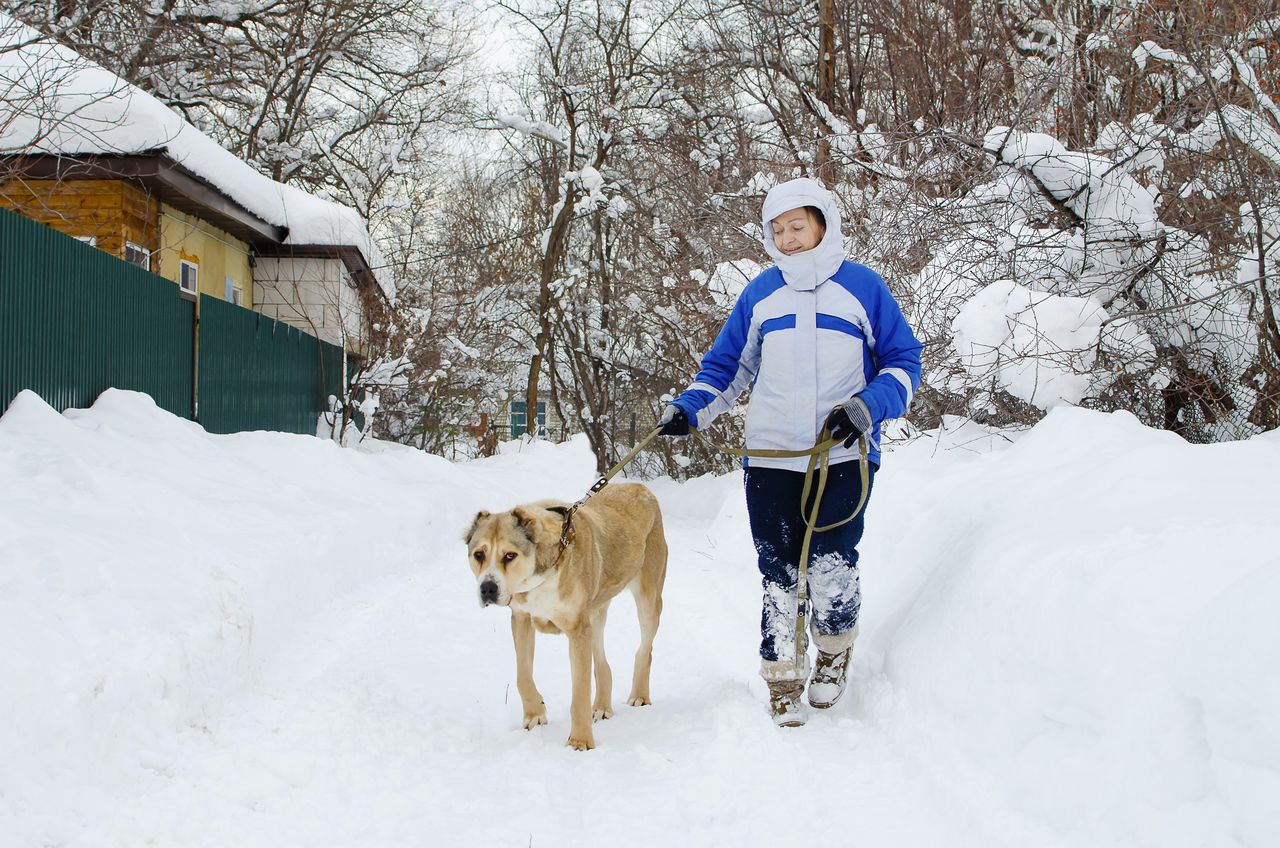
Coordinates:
(509, 551)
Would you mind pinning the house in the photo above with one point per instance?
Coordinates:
(99, 159)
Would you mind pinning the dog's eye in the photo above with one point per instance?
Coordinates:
(508, 556)
(479, 555)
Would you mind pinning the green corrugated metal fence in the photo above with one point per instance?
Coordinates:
(257, 373)
(75, 321)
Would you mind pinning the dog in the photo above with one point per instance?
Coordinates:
(518, 562)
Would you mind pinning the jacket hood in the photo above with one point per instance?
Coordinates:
(804, 271)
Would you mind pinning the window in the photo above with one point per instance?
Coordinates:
(189, 277)
(136, 254)
(232, 293)
(519, 421)
(92, 241)
(237, 296)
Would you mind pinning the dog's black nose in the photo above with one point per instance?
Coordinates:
(489, 592)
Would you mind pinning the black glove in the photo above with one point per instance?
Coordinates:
(674, 422)
(849, 420)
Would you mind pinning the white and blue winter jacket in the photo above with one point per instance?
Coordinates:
(806, 335)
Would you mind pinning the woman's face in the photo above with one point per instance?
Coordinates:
(796, 231)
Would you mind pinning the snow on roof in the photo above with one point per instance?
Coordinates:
(57, 102)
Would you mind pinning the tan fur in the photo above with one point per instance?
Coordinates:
(618, 544)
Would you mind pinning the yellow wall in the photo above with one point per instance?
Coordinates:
(218, 254)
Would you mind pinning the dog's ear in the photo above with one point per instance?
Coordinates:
(563, 512)
(527, 522)
(471, 531)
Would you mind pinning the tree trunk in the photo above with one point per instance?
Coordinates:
(552, 256)
(826, 86)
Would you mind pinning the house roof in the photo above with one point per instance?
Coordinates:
(63, 112)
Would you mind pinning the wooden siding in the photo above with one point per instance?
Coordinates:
(109, 211)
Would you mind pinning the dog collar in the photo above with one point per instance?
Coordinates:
(567, 534)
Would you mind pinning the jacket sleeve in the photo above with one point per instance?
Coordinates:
(896, 353)
(728, 368)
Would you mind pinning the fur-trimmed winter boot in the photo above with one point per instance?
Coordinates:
(786, 688)
(784, 703)
(831, 669)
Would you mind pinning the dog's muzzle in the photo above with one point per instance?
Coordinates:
(488, 593)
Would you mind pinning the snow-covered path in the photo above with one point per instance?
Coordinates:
(266, 640)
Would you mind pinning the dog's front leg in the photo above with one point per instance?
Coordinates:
(535, 711)
(580, 643)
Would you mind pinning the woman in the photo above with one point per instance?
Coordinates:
(820, 341)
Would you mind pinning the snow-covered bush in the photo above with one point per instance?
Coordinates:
(1159, 219)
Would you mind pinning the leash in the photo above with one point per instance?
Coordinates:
(566, 531)
(819, 459)
(819, 456)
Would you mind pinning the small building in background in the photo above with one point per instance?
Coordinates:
(97, 158)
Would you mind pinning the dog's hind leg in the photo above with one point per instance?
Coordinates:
(603, 707)
(646, 588)
(649, 610)
(535, 711)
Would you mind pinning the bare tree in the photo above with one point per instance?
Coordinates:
(620, 127)
(335, 96)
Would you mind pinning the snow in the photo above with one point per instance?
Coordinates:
(728, 279)
(593, 185)
(1251, 129)
(62, 103)
(756, 113)
(1250, 79)
(1038, 347)
(262, 639)
(1118, 212)
(538, 129)
(1149, 50)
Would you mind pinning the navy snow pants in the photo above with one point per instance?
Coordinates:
(777, 526)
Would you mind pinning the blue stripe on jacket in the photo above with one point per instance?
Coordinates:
(891, 361)
(894, 348)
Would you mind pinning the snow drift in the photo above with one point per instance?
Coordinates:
(263, 639)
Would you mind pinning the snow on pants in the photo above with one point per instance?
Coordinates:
(777, 526)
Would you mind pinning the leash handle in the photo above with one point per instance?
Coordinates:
(821, 445)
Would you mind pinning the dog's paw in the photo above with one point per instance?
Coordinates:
(579, 743)
(599, 714)
(532, 720)
(638, 702)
